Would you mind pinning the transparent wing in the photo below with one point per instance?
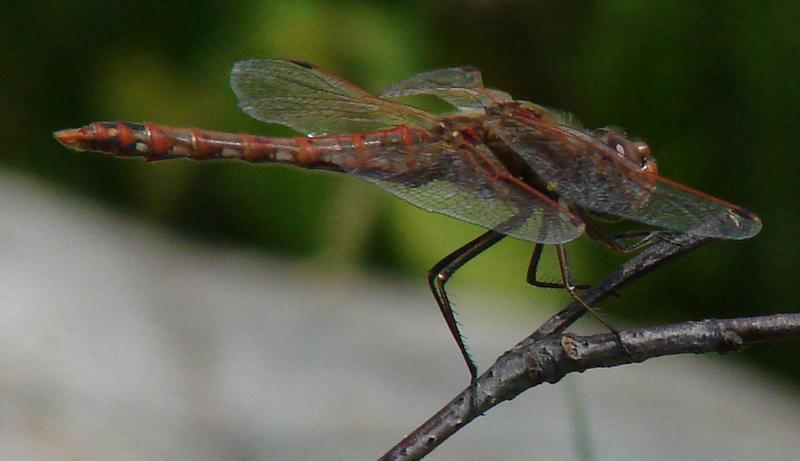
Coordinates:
(304, 98)
(456, 182)
(677, 207)
(461, 87)
(586, 172)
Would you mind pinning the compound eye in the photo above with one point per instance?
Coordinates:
(642, 149)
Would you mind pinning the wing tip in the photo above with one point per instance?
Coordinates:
(736, 223)
(745, 213)
(238, 66)
(747, 222)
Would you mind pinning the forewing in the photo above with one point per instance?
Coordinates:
(461, 87)
(457, 182)
(677, 207)
(309, 100)
(586, 172)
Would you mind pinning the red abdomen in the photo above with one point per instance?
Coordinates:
(161, 142)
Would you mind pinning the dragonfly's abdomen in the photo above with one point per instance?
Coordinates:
(161, 142)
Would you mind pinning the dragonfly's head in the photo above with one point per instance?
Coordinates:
(635, 152)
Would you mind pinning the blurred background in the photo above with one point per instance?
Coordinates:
(712, 87)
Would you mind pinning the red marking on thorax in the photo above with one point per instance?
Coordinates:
(470, 134)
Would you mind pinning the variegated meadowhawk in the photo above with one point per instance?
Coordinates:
(513, 167)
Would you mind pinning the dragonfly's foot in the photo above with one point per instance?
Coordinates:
(624, 346)
(473, 410)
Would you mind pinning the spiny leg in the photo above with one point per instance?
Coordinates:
(566, 276)
(645, 238)
(438, 276)
(534, 266)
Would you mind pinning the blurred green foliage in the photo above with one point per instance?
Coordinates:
(712, 86)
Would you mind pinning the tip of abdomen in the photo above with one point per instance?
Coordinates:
(116, 138)
(76, 138)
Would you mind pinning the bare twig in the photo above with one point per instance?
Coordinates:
(546, 355)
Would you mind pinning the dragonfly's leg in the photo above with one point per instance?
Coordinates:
(566, 276)
(632, 234)
(534, 266)
(442, 271)
(646, 238)
(616, 241)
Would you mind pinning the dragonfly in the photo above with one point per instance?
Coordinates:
(513, 167)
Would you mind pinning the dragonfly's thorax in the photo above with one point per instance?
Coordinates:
(458, 129)
(514, 163)
(476, 131)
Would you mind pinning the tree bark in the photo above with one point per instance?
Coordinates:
(547, 355)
